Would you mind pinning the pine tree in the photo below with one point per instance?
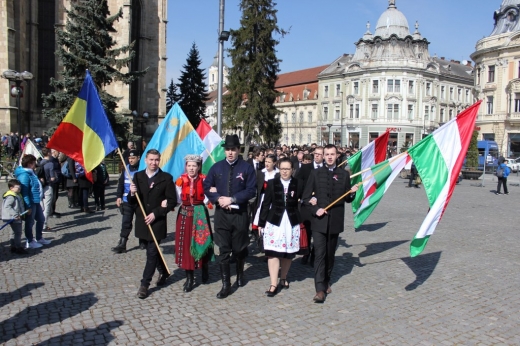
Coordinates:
(192, 88)
(86, 43)
(172, 96)
(251, 97)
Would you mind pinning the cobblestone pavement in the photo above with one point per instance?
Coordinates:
(463, 290)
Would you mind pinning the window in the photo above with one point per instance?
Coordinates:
(442, 116)
(357, 111)
(410, 87)
(467, 95)
(517, 103)
(428, 89)
(294, 117)
(301, 117)
(489, 105)
(491, 74)
(325, 112)
(451, 114)
(338, 89)
(301, 138)
(478, 75)
(285, 117)
(309, 115)
(394, 86)
(392, 112)
(212, 78)
(351, 111)
(375, 87)
(410, 112)
(459, 94)
(356, 88)
(409, 140)
(374, 111)
(309, 138)
(336, 114)
(372, 136)
(443, 92)
(426, 113)
(293, 137)
(326, 91)
(451, 94)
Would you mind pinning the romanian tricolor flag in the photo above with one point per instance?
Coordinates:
(85, 133)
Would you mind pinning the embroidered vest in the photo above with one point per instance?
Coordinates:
(191, 195)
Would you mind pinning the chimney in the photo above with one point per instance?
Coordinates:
(469, 64)
(442, 58)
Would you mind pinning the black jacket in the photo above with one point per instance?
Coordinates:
(275, 203)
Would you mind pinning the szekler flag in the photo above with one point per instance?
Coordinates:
(214, 151)
(370, 155)
(380, 177)
(85, 134)
(439, 158)
(174, 139)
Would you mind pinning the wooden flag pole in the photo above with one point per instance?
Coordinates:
(144, 214)
(209, 154)
(367, 179)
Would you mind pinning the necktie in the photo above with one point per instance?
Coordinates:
(256, 166)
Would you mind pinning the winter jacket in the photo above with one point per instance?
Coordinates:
(506, 169)
(32, 191)
(12, 206)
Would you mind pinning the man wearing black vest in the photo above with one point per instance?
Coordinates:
(229, 185)
(327, 184)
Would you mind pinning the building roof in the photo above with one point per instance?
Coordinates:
(308, 75)
(454, 68)
(212, 95)
(392, 22)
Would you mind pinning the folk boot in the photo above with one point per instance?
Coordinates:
(226, 281)
(205, 273)
(190, 281)
(121, 246)
(240, 272)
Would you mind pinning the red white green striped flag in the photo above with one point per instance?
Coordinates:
(214, 151)
(439, 158)
(368, 156)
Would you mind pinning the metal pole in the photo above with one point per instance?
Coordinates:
(220, 69)
(18, 114)
(341, 115)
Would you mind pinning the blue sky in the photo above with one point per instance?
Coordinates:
(320, 31)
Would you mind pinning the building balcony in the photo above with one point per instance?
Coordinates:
(513, 118)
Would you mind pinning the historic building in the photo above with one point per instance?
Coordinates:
(497, 80)
(28, 43)
(390, 82)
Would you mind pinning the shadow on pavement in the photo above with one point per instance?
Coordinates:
(377, 248)
(371, 227)
(422, 266)
(22, 292)
(343, 266)
(99, 335)
(50, 312)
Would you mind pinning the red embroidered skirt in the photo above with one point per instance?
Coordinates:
(183, 234)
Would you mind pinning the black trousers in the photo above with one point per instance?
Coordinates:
(153, 261)
(128, 212)
(99, 194)
(413, 175)
(231, 234)
(502, 181)
(55, 196)
(324, 250)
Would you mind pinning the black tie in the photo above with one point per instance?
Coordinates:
(256, 166)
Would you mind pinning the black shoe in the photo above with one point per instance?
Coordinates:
(142, 292)
(205, 273)
(87, 210)
(283, 284)
(319, 297)
(143, 244)
(162, 279)
(305, 259)
(226, 282)
(240, 272)
(121, 246)
(20, 251)
(190, 281)
(98, 208)
(270, 293)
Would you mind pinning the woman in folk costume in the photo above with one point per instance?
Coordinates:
(193, 236)
(280, 224)
(262, 177)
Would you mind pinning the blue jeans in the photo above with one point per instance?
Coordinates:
(36, 214)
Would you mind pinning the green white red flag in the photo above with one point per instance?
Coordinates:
(214, 151)
(368, 156)
(439, 158)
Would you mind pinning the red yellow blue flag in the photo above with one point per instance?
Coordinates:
(85, 134)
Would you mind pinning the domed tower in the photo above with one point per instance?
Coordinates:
(213, 74)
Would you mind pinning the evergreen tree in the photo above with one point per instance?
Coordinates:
(86, 43)
(472, 154)
(251, 93)
(192, 88)
(172, 96)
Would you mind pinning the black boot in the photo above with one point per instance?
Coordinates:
(190, 281)
(205, 273)
(226, 282)
(71, 202)
(121, 246)
(240, 272)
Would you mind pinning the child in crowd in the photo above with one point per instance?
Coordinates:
(12, 208)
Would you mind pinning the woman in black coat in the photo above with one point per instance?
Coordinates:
(280, 224)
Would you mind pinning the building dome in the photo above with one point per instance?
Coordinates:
(392, 21)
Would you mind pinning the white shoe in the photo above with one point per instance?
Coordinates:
(44, 241)
(33, 244)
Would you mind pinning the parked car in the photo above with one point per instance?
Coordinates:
(513, 165)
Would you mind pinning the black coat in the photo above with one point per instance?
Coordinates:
(151, 198)
(274, 204)
(327, 186)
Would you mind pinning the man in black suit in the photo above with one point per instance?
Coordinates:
(153, 187)
(326, 185)
(258, 159)
(303, 174)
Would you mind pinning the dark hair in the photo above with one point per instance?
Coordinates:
(272, 157)
(330, 146)
(153, 152)
(13, 182)
(257, 151)
(285, 159)
(27, 159)
(307, 157)
(45, 152)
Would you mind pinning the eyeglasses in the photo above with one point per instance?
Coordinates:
(285, 169)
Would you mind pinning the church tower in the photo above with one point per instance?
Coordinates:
(213, 74)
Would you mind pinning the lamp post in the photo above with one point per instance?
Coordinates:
(329, 125)
(141, 119)
(222, 37)
(16, 91)
(341, 116)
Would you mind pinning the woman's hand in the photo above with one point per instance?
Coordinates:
(313, 201)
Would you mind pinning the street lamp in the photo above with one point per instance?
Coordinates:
(16, 91)
(222, 37)
(329, 125)
(141, 119)
(341, 116)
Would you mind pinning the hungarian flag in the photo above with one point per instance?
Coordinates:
(214, 151)
(380, 176)
(368, 156)
(439, 158)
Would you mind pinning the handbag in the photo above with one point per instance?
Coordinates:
(304, 241)
(418, 180)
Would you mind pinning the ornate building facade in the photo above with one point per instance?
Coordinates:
(390, 82)
(27, 43)
(497, 80)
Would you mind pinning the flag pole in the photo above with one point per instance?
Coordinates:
(367, 179)
(210, 155)
(142, 210)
